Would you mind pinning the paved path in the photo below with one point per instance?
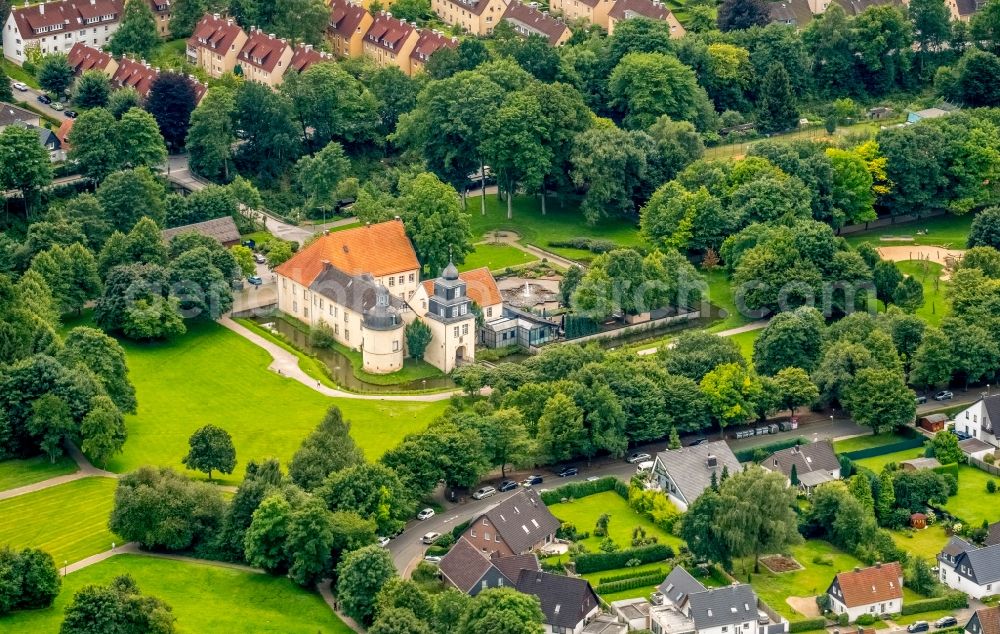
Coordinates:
(287, 364)
(327, 594)
(85, 470)
(512, 238)
(753, 325)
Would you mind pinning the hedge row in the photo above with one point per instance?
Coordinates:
(805, 625)
(630, 575)
(650, 579)
(902, 445)
(746, 455)
(596, 562)
(578, 490)
(951, 601)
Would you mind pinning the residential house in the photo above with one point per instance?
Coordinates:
(134, 74)
(63, 133)
(812, 464)
(875, 590)
(683, 605)
(984, 621)
(264, 58)
(975, 448)
(592, 11)
(215, 45)
(161, 14)
(993, 534)
(795, 13)
(568, 603)
(347, 28)
(389, 41)
(471, 571)
(13, 115)
(305, 55)
(528, 19)
(83, 57)
(970, 569)
(477, 17)
(482, 290)
(54, 27)
(362, 283)
(428, 42)
(650, 9)
(981, 419)
(857, 7)
(683, 474)
(222, 229)
(964, 9)
(518, 525)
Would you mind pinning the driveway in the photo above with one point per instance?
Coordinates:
(31, 97)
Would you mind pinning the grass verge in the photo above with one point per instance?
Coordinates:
(16, 473)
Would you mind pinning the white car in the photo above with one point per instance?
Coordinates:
(425, 514)
(20, 86)
(484, 492)
(432, 559)
(383, 541)
(430, 538)
(644, 467)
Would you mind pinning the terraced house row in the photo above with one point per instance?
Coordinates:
(124, 72)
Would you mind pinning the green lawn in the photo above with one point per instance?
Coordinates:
(17, 473)
(811, 580)
(929, 275)
(944, 231)
(930, 617)
(496, 257)
(583, 513)
(212, 375)
(926, 543)
(70, 521)
(16, 73)
(643, 591)
(205, 598)
(738, 150)
(865, 441)
(721, 294)
(745, 341)
(973, 504)
(876, 463)
(560, 222)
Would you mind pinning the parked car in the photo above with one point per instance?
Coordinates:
(961, 435)
(484, 492)
(259, 258)
(946, 621)
(70, 113)
(56, 105)
(593, 478)
(425, 514)
(383, 541)
(430, 538)
(639, 456)
(565, 472)
(43, 98)
(432, 559)
(920, 400)
(507, 485)
(20, 86)
(255, 280)
(530, 480)
(645, 467)
(944, 395)
(698, 441)
(918, 626)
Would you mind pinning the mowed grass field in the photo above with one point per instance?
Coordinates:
(495, 257)
(212, 375)
(929, 275)
(943, 231)
(69, 521)
(583, 513)
(18, 473)
(206, 599)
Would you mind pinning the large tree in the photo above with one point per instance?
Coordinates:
(757, 513)
(130, 195)
(211, 450)
(71, 274)
(24, 164)
(55, 75)
(171, 100)
(879, 399)
(310, 542)
(270, 140)
(92, 90)
(142, 143)
(776, 111)
(264, 539)
(360, 576)
(30, 579)
(644, 86)
(329, 104)
(742, 14)
(117, 607)
(512, 143)
(435, 222)
(320, 176)
(136, 34)
(791, 339)
(328, 449)
(94, 144)
(211, 136)
(733, 393)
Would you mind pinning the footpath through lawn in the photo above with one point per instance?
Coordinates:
(205, 598)
(18, 473)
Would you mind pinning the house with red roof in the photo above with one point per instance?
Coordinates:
(215, 45)
(161, 14)
(134, 74)
(529, 19)
(875, 590)
(83, 58)
(591, 11)
(55, 27)
(264, 58)
(389, 41)
(649, 9)
(478, 17)
(428, 42)
(305, 55)
(347, 28)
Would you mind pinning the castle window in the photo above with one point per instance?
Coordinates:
(395, 345)
(465, 329)
(456, 331)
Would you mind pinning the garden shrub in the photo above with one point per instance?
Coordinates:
(991, 486)
(866, 619)
(596, 562)
(629, 584)
(950, 601)
(805, 625)
(842, 619)
(458, 530)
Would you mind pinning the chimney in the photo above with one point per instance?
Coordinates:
(878, 565)
(712, 461)
(215, 15)
(41, 8)
(229, 21)
(270, 36)
(309, 47)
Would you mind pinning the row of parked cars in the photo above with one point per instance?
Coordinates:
(923, 626)
(510, 485)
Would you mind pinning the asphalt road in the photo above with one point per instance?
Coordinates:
(31, 96)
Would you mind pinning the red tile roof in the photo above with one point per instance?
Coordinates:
(479, 284)
(134, 74)
(429, 42)
(63, 133)
(263, 50)
(652, 9)
(345, 18)
(388, 32)
(70, 14)
(215, 32)
(535, 21)
(305, 56)
(379, 249)
(83, 58)
(871, 585)
(476, 7)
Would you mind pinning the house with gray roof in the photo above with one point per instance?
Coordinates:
(470, 570)
(812, 464)
(981, 420)
(683, 474)
(518, 525)
(568, 603)
(222, 229)
(970, 569)
(794, 13)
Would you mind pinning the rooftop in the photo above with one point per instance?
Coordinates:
(534, 19)
(11, 114)
(263, 50)
(345, 18)
(215, 32)
(522, 520)
(864, 586)
(222, 229)
(691, 468)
